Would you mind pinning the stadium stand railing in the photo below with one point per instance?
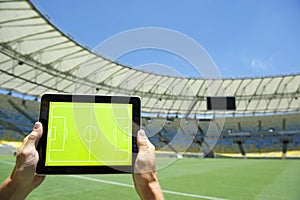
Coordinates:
(17, 116)
(254, 134)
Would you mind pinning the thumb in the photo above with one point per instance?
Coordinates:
(36, 133)
(141, 139)
(30, 141)
(143, 143)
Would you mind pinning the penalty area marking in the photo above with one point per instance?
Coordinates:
(131, 186)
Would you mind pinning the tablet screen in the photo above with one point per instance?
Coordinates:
(87, 135)
(100, 127)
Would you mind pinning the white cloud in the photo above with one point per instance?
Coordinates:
(261, 64)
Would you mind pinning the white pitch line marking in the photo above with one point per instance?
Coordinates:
(131, 186)
(6, 162)
(102, 181)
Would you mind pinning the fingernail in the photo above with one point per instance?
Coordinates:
(142, 133)
(36, 125)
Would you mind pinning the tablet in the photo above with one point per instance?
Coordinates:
(88, 134)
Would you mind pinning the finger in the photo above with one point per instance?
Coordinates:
(37, 180)
(143, 143)
(33, 137)
(141, 139)
(36, 133)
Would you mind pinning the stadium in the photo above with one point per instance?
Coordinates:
(216, 138)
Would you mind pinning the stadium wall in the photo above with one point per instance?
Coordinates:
(260, 136)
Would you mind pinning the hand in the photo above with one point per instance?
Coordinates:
(23, 178)
(144, 177)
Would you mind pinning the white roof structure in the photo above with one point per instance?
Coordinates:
(35, 58)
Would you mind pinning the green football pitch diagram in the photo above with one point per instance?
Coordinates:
(89, 134)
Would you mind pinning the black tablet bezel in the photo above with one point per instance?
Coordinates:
(43, 118)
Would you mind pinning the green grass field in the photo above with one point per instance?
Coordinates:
(184, 179)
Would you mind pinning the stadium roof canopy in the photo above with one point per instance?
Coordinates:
(35, 58)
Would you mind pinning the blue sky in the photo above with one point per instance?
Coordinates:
(243, 37)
